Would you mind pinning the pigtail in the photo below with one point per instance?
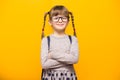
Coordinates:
(72, 19)
(42, 35)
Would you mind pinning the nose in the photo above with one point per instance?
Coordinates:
(60, 19)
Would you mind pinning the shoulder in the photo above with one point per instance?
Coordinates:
(74, 38)
(44, 39)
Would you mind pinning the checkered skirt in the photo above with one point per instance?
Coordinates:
(58, 75)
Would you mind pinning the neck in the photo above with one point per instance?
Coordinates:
(56, 33)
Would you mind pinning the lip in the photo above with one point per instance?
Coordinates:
(60, 24)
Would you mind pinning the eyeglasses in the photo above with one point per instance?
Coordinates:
(56, 19)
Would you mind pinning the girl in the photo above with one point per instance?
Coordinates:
(57, 62)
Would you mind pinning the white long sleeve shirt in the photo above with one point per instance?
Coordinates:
(63, 54)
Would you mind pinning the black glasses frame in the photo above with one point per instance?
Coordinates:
(61, 19)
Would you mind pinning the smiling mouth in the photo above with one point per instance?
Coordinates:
(60, 24)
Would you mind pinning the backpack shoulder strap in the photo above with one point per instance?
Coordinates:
(70, 38)
(48, 39)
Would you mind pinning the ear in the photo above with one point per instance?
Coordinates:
(68, 21)
(50, 22)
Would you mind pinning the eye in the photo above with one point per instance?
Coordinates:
(55, 18)
(64, 18)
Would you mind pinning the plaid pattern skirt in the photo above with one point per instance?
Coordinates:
(58, 75)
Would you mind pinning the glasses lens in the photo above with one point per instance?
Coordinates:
(64, 18)
(56, 19)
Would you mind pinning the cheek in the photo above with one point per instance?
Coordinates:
(66, 23)
(53, 24)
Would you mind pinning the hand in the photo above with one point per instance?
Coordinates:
(49, 55)
(68, 51)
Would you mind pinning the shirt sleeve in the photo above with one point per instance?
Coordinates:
(45, 61)
(70, 57)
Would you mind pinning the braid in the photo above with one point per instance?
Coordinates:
(44, 24)
(72, 18)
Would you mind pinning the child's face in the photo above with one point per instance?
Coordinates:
(59, 22)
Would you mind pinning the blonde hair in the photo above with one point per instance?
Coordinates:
(58, 10)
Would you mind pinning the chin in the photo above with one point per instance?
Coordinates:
(60, 27)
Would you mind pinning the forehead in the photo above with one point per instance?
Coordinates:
(59, 12)
(59, 16)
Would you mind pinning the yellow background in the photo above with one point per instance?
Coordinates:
(97, 24)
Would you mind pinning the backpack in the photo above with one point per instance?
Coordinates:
(48, 39)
